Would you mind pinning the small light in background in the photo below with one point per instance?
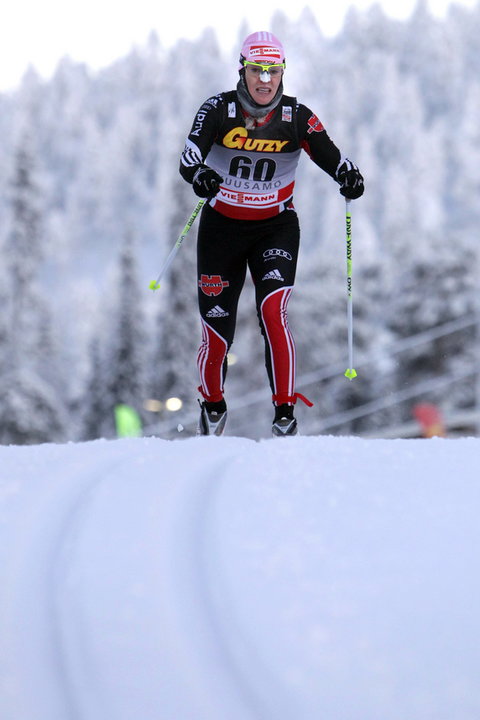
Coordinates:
(152, 405)
(232, 359)
(173, 404)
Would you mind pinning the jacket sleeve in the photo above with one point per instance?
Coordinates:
(201, 137)
(315, 141)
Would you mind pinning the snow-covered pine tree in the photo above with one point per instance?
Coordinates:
(178, 332)
(126, 339)
(439, 287)
(32, 408)
(94, 410)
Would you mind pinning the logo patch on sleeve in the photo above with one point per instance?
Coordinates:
(314, 125)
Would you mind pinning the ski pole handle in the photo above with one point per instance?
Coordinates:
(155, 284)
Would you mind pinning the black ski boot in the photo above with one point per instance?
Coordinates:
(284, 423)
(213, 417)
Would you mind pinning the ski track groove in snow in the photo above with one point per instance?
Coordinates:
(37, 579)
(193, 521)
(76, 669)
(186, 544)
(200, 579)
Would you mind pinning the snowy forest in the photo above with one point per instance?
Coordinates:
(91, 203)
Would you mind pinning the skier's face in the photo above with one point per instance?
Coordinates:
(262, 84)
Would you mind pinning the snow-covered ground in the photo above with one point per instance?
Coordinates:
(227, 579)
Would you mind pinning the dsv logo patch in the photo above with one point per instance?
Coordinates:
(274, 253)
(212, 284)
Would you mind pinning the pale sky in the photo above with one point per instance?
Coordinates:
(97, 32)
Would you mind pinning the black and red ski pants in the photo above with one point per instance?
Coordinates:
(226, 248)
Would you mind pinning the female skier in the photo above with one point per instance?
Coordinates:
(241, 154)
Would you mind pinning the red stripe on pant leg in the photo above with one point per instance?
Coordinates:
(280, 340)
(210, 359)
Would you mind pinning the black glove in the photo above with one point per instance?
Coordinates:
(206, 182)
(350, 179)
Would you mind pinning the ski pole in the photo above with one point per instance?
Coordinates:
(155, 284)
(350, 372)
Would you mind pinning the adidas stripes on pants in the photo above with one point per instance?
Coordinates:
(226, 248)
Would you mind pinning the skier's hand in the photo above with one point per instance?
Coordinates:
(351, 181)
(206, 182)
